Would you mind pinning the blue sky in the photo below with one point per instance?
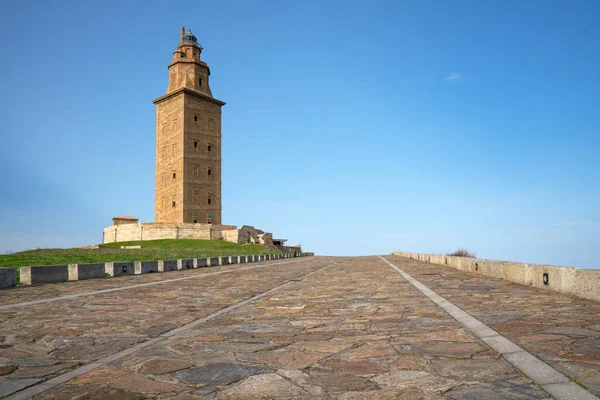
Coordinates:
(353, 127)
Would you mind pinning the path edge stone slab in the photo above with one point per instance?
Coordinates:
(583, 283)
(44, 274)
(8, 277)
(72, 272)
(78, 272)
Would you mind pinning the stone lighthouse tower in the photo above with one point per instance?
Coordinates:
(188, 141)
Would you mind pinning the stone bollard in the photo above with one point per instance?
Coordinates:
(44, 274)
(170, 265)
(117, 268)
(79, 272)
(202, 262)
(145, 267)
(8, 277)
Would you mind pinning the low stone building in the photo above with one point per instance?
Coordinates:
(124, 220)
(126, 229)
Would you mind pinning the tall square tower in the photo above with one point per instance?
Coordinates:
(188, 141)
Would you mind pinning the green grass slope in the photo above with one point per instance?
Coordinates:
(163, 249)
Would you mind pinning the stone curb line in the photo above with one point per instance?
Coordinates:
(51, 383)
(73, 296)
(582, 283)
(549, 379)
(76, 272)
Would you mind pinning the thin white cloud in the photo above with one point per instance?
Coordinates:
(453, 77)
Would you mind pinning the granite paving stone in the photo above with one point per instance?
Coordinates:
(162, 366)
(90, 392)
(219, 373)
(266, 386)
(8, 386)
(100, 375)
(390, 394)
(451, 349)
(498, 391)
(7, 369)
(140, 384)
(476, 369)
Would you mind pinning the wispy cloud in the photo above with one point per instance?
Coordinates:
(453, 77)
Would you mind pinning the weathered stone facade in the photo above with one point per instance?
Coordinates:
(188, 141)
(172, 230)
(124, 219)
(248, 234)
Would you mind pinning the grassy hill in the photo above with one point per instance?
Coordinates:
(163, 249)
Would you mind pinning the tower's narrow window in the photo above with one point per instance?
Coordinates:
(209, 171)
(200, 81)
(195, 221)
(195, 118)
(174, 176)
(209, 147)
(173, 204)
(209, 201)
(195, 145)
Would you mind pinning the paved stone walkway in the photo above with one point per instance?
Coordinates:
(320, 327)
(561, 330)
